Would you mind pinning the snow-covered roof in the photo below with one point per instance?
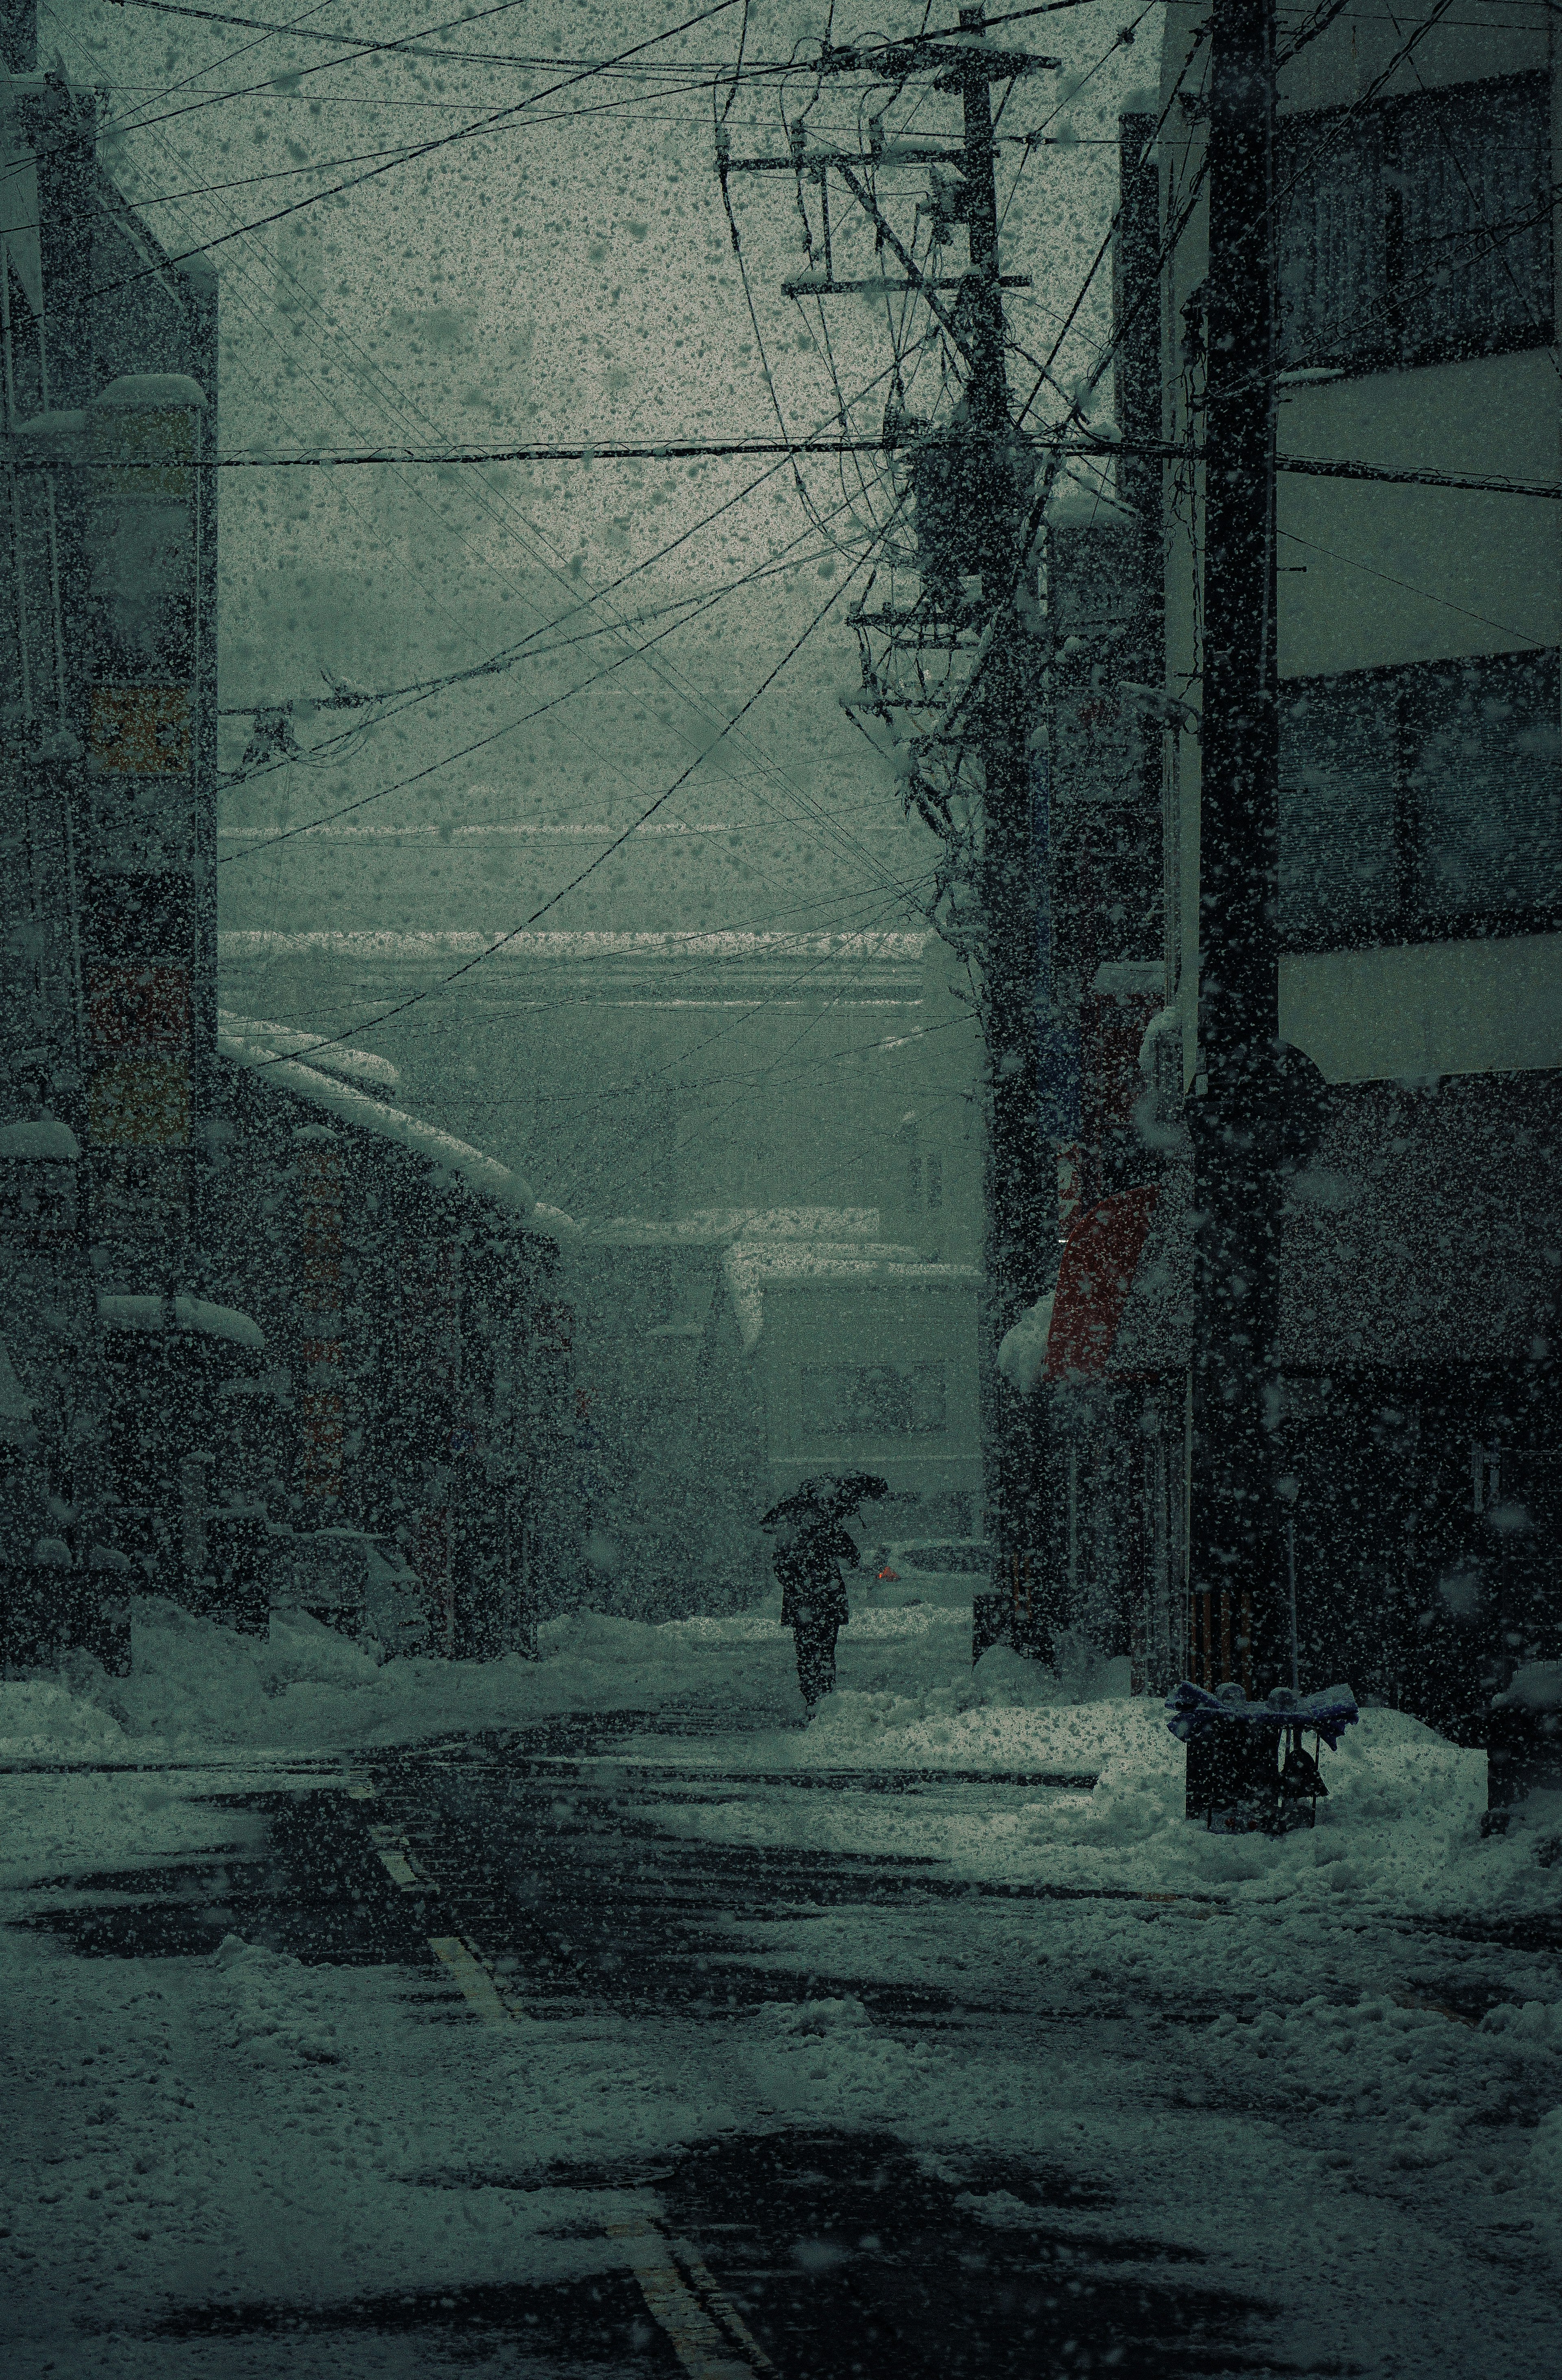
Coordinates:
(364, 1067)
(718, 1226)
(195, 1314)
(54, 424)
(482, 1174)
(43, 1138)
(896, 944)
(752, 1266)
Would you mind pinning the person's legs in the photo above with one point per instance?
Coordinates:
(816, 1657)
(826, 1671)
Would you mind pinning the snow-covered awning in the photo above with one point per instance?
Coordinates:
(151, 389)
(42, 1139)
(194, 1314)
(364, 1067)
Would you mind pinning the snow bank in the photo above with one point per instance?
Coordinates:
(194, 1685)
(1400, 1828)
(39, 1722)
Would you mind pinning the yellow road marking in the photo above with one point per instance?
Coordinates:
(704, 2353)
(473, 1978)
(701, 2344)
(715, 2295)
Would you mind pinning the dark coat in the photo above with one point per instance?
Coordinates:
(812, 1590)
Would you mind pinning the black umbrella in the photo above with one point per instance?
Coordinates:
(833, 1496)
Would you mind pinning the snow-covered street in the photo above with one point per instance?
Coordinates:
(591, 2015)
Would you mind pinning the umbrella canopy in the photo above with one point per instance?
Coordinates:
(834, 1496)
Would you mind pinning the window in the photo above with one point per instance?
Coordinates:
(1419, 231)
(872, 1400)
(1421, 801)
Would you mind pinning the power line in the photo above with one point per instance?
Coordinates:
(410, 48)
(693, 696)
(577, 880)
(630, 654)
(167, 91)
(509, 657)
(710, 450)
(500, 116)
(1444, 603)
(249, 90)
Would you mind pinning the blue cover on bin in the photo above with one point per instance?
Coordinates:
(1192, 1709)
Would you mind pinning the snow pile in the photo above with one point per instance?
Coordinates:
(1536, 2023)
(39, 1722)
(194, 1684)
(1022, 1350)
(1399, 2086)
(1399, 1831)
(1545, 2163)
(270, 2016)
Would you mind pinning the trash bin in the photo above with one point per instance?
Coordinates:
(1248, 1769)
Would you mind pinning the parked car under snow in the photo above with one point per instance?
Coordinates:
(948, 1572)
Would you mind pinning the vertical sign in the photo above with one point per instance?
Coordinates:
(322, 1409)
(1057, 1041)
(139, 906)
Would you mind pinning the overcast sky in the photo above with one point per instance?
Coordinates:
(562, 277)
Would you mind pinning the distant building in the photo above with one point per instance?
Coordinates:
(721, 1359)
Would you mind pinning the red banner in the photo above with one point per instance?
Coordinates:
(1099, 1263)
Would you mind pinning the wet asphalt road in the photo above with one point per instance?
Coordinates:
(544, 1877)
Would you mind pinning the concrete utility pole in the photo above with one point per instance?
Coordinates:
(969, 524)
(1243, 1112)
(1021, 1169)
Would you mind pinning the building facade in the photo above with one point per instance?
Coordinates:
(1421, 883)
(244, 1299)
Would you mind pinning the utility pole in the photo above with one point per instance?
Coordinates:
(1020, 1169)
(1243, 1109)
(970, 523)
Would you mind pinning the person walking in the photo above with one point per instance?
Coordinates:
(813, 1604)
